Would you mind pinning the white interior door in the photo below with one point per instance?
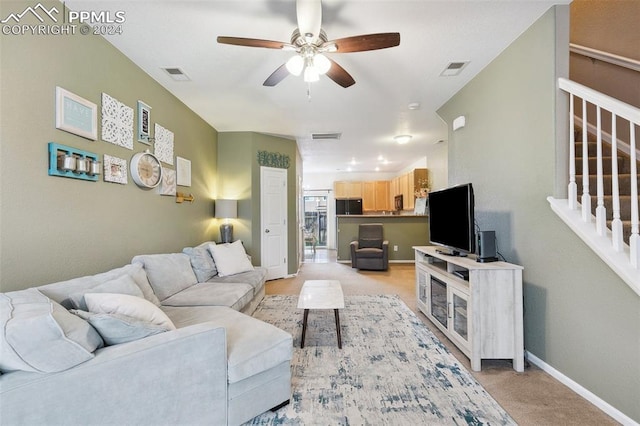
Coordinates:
(273, 208)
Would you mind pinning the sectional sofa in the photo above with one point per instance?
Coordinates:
(165, 340)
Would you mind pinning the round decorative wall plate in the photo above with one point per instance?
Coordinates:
(146, 170)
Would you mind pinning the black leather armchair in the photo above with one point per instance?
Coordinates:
(371, 251)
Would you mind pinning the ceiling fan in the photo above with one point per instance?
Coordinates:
(310, 43)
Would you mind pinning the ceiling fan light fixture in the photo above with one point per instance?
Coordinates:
(295, 64)
(310, 72)
(402, 139)
(321, 63)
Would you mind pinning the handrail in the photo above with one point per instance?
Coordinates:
(607, 57)
(621, 109)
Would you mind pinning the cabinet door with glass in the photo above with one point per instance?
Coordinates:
(459, 315)
(438, 301)
(422, 287)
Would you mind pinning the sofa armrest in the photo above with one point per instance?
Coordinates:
(354, 246)
(177, 377)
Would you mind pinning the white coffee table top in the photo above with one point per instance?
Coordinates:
(321, 294)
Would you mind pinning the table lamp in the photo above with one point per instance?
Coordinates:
(226, 209)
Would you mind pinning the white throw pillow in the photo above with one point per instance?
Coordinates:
(230, 258)
(131, 306)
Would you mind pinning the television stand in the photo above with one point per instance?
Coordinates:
(478, 306)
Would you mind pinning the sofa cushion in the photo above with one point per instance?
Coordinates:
(230, 258)
(255, 278)
(370, 253)
(121, 285)
(253, 346)
(235, 295)
(124, 304)
(201, 261)
(168, 273)
(116, 329)
(39, 335)
(61, 290)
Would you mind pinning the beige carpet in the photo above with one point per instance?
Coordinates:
(531, 398)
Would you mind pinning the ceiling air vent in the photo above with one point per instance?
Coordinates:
(176, 73)
(454, 68)
(325, 136)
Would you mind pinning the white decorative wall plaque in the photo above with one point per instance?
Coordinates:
(117, 122)
(163, 145)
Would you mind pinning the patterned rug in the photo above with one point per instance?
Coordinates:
(391, 369)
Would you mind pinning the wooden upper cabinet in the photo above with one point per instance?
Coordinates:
(382, 195)
(368, 196)
(347, 189)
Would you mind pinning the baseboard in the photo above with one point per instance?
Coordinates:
(607, 408)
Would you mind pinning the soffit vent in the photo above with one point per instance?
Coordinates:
(454, 68)
(176, 73)
(326, 136)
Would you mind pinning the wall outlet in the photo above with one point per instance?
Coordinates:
(395, 248)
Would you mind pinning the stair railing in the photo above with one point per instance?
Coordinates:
(631, 115)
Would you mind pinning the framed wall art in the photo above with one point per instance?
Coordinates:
(115, 169)
(76, 115)
(183, 169)
(144, 123)
(168, 184)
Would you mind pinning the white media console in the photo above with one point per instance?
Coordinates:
(478, 306)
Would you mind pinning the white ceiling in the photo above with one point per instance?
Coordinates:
(226, 81)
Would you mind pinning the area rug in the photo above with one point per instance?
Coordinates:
(391, 370)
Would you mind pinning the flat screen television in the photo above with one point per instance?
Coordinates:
(451, 219)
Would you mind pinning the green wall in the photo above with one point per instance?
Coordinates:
(402, 231)
(240, 177)
(580, 318)
(55, 228)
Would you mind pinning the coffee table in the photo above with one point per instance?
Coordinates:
(321, 294)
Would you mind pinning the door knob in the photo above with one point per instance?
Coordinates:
(266, 231)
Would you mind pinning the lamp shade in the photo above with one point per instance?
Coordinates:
(226, 209)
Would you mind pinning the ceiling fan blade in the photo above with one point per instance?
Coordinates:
(340, 75)
(309, 15)
(365, 42)
(253, 42)
(277, 76)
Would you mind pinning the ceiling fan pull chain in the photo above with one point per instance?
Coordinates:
(309, 91)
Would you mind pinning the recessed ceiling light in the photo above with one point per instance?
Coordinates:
(402, 139)
(353, 162)
(377, 169)
(380, 158)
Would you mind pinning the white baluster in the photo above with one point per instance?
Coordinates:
(601, 211)
(586, 198)
(617, 239)
(633, 240)
(573, 187)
